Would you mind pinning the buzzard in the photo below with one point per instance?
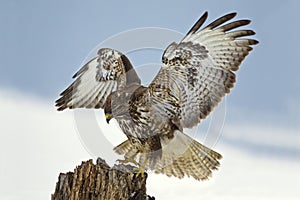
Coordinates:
(195, 74)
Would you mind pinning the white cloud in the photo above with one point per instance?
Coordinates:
(241, 176)
(264, 136)
(37, 143)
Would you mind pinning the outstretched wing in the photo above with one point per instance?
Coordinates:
(199, 71)
(109, 71)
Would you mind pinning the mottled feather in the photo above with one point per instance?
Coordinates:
(195, 75)
(96, 80)
(205, 61)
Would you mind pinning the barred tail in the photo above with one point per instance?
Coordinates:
(196, 160)
(180, 156)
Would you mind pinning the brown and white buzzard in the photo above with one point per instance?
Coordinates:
(195, 74)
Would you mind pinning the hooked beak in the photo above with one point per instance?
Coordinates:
(108, 117)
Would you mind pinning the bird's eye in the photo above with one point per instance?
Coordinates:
(116, 62)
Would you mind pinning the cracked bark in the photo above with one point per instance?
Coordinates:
(99, 181)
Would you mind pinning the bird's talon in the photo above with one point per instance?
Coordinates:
(127, 160)
(139, 171)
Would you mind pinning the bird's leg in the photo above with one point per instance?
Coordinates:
(140, 171)
(129, 159)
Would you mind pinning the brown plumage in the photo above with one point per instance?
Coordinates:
(195, 74)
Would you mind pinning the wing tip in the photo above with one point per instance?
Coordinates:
(221, 20)
(231, 15)
(60, 107)
(253, 42)
(75, 75)
(62, 103)
(250, 32)
(198, 24)
(245, 21)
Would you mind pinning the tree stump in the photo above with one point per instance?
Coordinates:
(99, 181)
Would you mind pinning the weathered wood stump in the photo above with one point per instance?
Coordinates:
(99, 181)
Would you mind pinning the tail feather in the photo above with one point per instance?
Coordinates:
(196, 160)
(181, 156)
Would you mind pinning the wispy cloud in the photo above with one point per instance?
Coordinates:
(278, 141)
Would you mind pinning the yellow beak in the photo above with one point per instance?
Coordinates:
(108, 117)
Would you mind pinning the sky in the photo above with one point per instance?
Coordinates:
(43, 43)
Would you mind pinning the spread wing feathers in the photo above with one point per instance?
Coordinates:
(109, 71)
(200, 69)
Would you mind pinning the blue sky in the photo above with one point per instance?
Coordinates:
(43, 43)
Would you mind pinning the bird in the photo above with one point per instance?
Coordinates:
(195, 74)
